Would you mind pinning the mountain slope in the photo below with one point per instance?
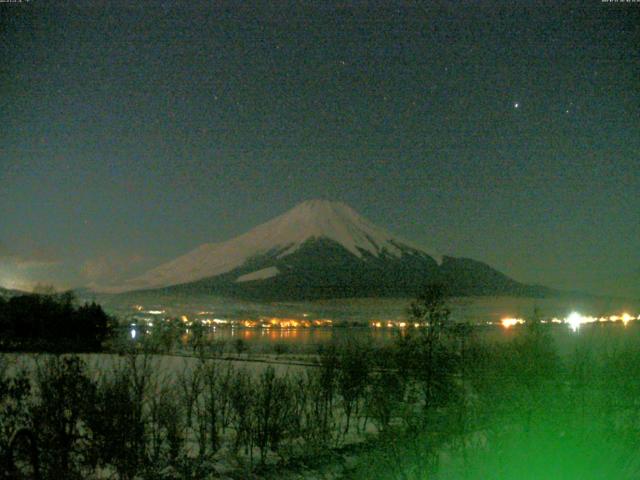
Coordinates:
(276, 239)
(321, 249)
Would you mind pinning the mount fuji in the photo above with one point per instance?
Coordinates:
(322, 249)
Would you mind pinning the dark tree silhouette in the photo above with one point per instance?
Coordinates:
(52, 322)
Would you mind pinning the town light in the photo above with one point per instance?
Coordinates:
(510, 322)
(574, 320)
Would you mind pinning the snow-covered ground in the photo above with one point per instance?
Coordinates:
(170, 366)
(168, 370)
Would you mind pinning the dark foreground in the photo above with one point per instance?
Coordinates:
(440, 403)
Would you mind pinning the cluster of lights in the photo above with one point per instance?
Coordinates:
(292, 323)
(140, 308)
(511, 322)
(574, 320)
(214, 321)
(394, 324)
(205, 318)
(269, 322)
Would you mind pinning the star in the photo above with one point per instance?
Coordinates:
(516, 105)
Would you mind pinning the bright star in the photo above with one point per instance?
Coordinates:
(516, 105)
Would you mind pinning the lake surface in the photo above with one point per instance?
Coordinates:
(598, 337)
(352, 318)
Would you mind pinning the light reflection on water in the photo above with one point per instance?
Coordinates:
(297, 335)
(610, 335)
(560, 333)
(295, 339)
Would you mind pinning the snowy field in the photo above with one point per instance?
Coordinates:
(166, 367)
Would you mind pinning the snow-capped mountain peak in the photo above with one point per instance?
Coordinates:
(281, 236)
(317, 250)
(325, 219)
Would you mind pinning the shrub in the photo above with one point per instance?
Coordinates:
(67, 395)
(273, 407)
(119, 421)
(15, 393)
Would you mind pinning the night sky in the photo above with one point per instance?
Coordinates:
(131, 132)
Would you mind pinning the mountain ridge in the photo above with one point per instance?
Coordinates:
(322, 249)
(278, 237)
